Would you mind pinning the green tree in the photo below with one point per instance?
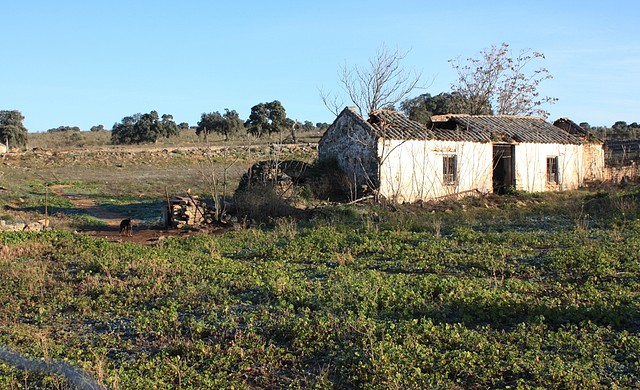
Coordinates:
(266, 118)
(226, 124)
(209, 123)
(168, 127)
(70, 129)
(498, 80)
(620, 126)
(233, 123)
(322, 126)
(308, 126)
(97, 128)
(123, 132)
(142, 128)
(12, 131)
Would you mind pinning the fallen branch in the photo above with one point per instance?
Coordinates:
(361, 199)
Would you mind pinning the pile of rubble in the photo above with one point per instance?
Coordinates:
(282, 175)
(15, 226)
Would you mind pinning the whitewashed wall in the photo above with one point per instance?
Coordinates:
(531, 166)
(413, 170)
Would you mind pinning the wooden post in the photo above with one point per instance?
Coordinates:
(46, 205)
(169, 221)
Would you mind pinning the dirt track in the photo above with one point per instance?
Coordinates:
(141, 234)
(82, 202)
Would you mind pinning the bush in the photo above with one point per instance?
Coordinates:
(261, 203)
(326, 181)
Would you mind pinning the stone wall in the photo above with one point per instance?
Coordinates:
(351, 143)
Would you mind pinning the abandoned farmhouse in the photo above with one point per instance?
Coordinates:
(406, 161)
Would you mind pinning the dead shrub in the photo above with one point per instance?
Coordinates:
(261, 203)
(326, 181)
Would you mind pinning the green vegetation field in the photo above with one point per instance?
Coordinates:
(522, 291)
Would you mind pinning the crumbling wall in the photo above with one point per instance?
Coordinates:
(281, 175)
(351, 143)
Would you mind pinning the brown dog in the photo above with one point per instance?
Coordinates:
(126, 227)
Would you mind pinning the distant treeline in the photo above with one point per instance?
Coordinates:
(618, 131)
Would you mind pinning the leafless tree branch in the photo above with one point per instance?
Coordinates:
(496, 82)
(381, 84)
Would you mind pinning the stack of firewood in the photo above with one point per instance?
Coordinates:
(187, 211)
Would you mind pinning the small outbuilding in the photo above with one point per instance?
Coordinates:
(405, 161)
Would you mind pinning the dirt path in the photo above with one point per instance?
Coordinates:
(83, 202)
(141, 234)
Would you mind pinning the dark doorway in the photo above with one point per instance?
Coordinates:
(503, 168)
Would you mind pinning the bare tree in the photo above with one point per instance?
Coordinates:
(495, 82)
(382, 84)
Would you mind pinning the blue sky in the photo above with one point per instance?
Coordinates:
(84, 63)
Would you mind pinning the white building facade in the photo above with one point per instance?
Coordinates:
(406, 162)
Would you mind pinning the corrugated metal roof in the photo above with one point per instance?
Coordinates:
(391, 124)
(501, 128)
(394, 125)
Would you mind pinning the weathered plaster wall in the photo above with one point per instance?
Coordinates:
(531, 166)
(593, 156)
(413, 170)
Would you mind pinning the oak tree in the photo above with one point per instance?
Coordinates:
(266, 118)
(12, 131)
(226, 124)
(143, 128)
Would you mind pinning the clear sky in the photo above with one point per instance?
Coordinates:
(84, 63)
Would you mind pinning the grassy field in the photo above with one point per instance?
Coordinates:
(520, 291)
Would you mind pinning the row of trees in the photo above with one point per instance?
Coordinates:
(64, 129)
(265, 119)
(620, 130)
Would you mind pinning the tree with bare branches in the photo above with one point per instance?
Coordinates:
(498, 81)
(381, 84)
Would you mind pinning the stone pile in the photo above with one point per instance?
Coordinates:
(282, 175)
(15, 226)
